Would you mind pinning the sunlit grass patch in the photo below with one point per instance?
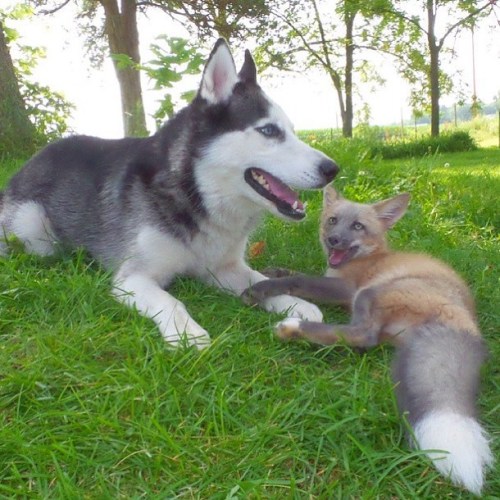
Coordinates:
(94, 405)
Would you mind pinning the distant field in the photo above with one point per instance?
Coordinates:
(93, 404)
(483, 129)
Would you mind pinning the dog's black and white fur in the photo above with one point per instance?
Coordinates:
(181, 202)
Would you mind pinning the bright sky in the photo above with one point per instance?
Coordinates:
(309, 100)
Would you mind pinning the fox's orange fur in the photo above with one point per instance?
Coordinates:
(411, 288)
(417, 303)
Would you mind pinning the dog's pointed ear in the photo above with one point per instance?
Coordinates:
(248, 72)
(391, 210)
(330, 196)
(219, 75)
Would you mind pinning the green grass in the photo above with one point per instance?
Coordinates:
(93, 404)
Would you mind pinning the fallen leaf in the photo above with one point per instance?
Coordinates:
(256, 249)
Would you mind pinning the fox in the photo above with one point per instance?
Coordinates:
(415, 302)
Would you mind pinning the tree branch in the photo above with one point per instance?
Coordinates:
(55, 9)
(462, 21)
(306, 44)
(326, 55)
(402, 15)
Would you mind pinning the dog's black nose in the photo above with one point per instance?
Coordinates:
(329, 169)
(333, 241)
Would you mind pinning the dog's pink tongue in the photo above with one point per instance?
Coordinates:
(283, 192)
(336, 257)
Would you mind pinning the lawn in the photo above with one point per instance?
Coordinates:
(94, 405)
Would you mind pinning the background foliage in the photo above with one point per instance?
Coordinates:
(47, 110)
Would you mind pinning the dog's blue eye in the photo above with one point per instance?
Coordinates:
(269, 130)
(357, 226)
(332, 221)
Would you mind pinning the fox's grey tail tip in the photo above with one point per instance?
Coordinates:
(437, 372)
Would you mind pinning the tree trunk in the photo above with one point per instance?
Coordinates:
(123, 38)
(17, 133)
(434, 68)
(335, 78)
(349, 65)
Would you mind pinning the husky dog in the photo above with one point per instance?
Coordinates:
(413, 301)
(181, 202)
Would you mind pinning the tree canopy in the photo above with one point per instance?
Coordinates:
(116, 21)
(335, 38)
(436, 22)
(17, 133)
(30, 113)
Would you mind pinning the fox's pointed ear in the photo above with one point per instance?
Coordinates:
(391, 210)
(330, 196)
(219, 75)
(248, 72)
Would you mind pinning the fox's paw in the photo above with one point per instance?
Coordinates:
(252, 295)
(288, 329)
(277, 272)
(263, 293)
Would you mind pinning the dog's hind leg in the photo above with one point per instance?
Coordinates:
(170, 315)
(29, 222)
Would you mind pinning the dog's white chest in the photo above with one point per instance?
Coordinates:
(166, 256)
(213, 249)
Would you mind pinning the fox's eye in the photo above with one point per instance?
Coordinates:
(332, 221)
(357, 226)
(270, 130)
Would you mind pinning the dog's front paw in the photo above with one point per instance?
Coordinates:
(288, 329)
(305, 310)
(180, 340)
(193, 335)
(294, 307)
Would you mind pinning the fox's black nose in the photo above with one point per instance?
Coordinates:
(329, 169)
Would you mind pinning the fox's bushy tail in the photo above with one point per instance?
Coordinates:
(437, 373)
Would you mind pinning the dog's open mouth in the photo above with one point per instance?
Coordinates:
(284, 198)
(338, 256)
